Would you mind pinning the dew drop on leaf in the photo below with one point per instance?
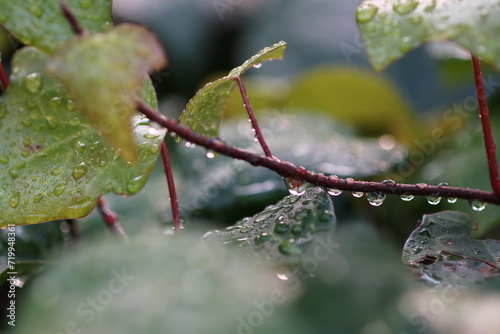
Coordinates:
(358, 194)
(404, 7)
(406, 44)
(56, 171)
(33, 82)
(366, 13)
(333, 191)
(4, 159)
(79, 147)
(289, 248)
(263, 237)
(59, 189)
(407, 197)
(79, 171)
(14, 200)
(296, 187)
(86, 3)
(135, 184)
(477, 205)
(281, 228)
(375, 198)
(38, 198)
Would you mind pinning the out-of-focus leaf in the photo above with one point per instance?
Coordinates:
(204, 111)
(286, 233)
(442, 250)
(42, 24)
(317, 143)
(392, 28)
(103, 74)
(55, 165)
(152, 285)
(357, 97)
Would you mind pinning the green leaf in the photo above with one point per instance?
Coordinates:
(42, 24)
(392, 28)
(153, 285)
(54, 164)
(103, 74)
(286, 232)
(204, 111)
(442, 250)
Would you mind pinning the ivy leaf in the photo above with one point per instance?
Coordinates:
(103, 74)
(286, 232)
(41, 23)
(392, 28)
(55, 165)
(442, 249)
(204, 111)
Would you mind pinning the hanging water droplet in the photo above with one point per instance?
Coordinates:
(375, 198)
(210, 154)
(257, 65)
(33, 82)
(59, 189)
(255, 137)
(333, 191)
(406, 197)
(366, 13)
(190, 145)
(135, 184)
(477, 205)
(433, 199)
(14, 200)
(296, 187)
(452, 200)
(79, 171)
(404, 7)
(54, 103)
(358, 194)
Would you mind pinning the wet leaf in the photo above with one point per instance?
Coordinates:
(55, 165)
(103, 74)
(392, 28)
(287, 232)
(442, 250)
(204, 111)
(42, 24)
(153, 285)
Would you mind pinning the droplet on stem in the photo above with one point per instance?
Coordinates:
(452, 200)
(406, 197)
(375, 198)
(477, 205)
(296, 187)
(333, 191)
(433, 199)
(358, 194)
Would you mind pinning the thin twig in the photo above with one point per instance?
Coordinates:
(4, 79)
(73, 229)
(484, 112)
(287, 169)
(174, 203)
(111, 219)
(253, 120)
(73, 21)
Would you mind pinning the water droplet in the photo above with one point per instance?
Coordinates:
(406, 197)
(86, 3)
(56, 171)
(452, 200)
(14, 200)
(289, 248)
(406, 44)
(38, 198)
(135, 184)
(334, 192)
(79, 146)
(74, 121)
(431, 7)
(60, 188)
(27, 122)
(477, 205)
(263, 237)
(422, 186)
(4, 159)
(190, 145)
(477, 252)
(3, 110)
(265, 215)
(366, 13)
(296, 187)
(70, 105)
(449, 242)
(33, 82)
(246, 229)
(433, 199)
(375, 198)
(257, 65)
(404, 7)
(54, 103)
(152, 133)
(443, 185)
(79, 171)
(297, 228)
(210, 154)
(358, 194)
(281, 228)
(14, 172)
(36, 10)
(389, 182)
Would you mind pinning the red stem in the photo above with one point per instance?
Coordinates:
(253, 120)
(4, 79)
(174, 203)
(111, 219)
(73, 21)
(484, 112)
(287, 169)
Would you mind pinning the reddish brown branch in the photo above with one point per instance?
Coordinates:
(484, 112)
(287, 169)
(111, 219)
(174, 203)
(73, 21)
(253, 120)
(4, 79)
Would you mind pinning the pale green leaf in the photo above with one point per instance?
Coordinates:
(392, 28)
(103, 74)
(42, 24)
(55, 165)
